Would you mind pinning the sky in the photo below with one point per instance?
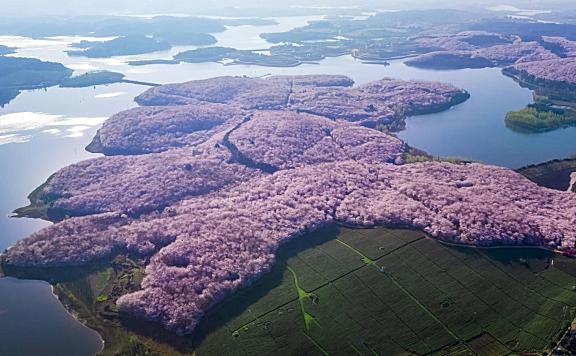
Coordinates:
(100, 7)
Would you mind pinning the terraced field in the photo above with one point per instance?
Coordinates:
(343, 291)
(385, 292)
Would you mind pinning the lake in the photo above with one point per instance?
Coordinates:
(51, 128)
(42, 131)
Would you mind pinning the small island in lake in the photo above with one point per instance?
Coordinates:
(230, 56)
(147, 62)
(121, 46)
(92, 78)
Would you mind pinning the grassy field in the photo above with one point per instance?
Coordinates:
(386, 292)
(343, 291)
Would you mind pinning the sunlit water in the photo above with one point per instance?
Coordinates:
(43, 131)
(52, 127)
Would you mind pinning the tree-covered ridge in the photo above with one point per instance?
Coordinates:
(560, 71)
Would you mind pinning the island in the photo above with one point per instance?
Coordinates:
(30, 73)
(139, 44)
(121, 46)
(228, 56)
(92, 79)
(233, 208)
(147, 62)
(18, 74)
(185, 38)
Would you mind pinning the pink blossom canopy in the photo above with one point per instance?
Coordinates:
(219, 177)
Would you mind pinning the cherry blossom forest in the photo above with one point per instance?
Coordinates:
(550, 60)
(210, 177)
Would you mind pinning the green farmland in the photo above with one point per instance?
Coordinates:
(384, 292)
(343, 291)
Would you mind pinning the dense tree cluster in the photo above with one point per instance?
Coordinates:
(194, 197)
(159, 128)
(151, 181)
(287, 140)
(138, 184)
(457, 54)
(178, 115)
(379, 102)
(249, 93)
(463, 41)
(560, 71)
(329, 95)
(518, 51)
(216, 243)
(548, 60)
(565, 47)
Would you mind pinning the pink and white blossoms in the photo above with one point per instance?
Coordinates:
(492, 56)
(216, 243)
(556, 71)
(210, 195)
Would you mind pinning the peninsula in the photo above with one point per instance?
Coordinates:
(209, 178)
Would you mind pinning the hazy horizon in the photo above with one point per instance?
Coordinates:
(11, 8)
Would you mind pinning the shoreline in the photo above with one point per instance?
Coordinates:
(77, 317)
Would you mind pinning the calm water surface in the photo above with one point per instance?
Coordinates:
(43, 131)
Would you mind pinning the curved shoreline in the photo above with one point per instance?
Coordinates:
(77, 317)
